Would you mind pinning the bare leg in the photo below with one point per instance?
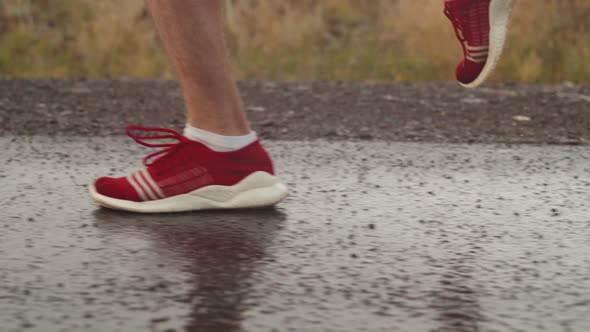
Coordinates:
(192, 32)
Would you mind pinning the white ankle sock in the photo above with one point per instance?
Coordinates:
(218, 142)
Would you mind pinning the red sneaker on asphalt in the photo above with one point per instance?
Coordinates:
(187, 176)
(481, 27)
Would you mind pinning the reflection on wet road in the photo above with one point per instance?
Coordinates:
(374, 237)
(217, 249)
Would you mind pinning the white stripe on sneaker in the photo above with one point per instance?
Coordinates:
(137, 188)
(478, 60)
(478, 54)
(141, 182)
(148, 178)
(476, 48)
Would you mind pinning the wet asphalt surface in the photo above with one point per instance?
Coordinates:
(375, 236)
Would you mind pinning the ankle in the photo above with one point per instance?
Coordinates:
(221, 116)
(219, 142)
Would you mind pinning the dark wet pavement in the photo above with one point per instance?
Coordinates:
(374, 237)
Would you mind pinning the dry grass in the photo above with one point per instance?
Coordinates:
(377, 40)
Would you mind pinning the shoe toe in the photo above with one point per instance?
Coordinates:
(118, 188)
(468, 71)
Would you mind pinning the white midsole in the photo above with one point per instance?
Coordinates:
(259, 189)
(500, 11)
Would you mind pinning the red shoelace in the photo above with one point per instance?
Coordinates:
(456, 20)
(169, 148)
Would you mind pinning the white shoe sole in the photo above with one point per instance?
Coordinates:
(259, 189)
(500, 11)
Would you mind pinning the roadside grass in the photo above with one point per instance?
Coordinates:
(378, 40)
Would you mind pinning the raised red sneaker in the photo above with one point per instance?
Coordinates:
(186, 176)
(481, 27)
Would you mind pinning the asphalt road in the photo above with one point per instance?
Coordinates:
(375, 236)
(426, 112)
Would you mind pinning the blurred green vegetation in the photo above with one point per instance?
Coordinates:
(378, 40)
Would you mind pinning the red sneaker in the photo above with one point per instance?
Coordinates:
(188, 176)
(480, 26)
